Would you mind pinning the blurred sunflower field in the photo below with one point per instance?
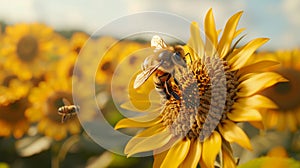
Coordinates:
(257, 127)
(37, 65)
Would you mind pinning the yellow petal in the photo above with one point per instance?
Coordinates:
(219, 32)
(194, 155)
(281, 124)
(232, 133)
(255, 101)
(195, 42)
(228, 34)
(144, 134)
(159, 158)
(257, 124)
(139, 97)
(130, 123)
(270, 118)
(148, 143)
(210, 32)
(238, 32)
(211, 147)
(228, 159)
(256, 67)
(177, 154)
(238, 58)
(152, 106)
(292, 121)
(257, 82)
(242, 114)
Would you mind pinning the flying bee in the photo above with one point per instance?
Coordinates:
(67, 111)
(163, 63)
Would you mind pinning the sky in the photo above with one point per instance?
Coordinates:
(275, 19)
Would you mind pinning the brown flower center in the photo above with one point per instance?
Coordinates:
(106, 66)
(286, 94)
(27, 48)
(8, 79)
(14, 112)
(202, 106)
(54, 102)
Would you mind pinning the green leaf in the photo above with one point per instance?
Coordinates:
(271, 162)
(3, 165)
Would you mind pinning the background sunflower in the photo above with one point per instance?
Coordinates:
(45, 100)
(29, 49)
(284, 94)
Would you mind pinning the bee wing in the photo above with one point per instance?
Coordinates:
(158, 42)
(66, 102)
(144, 75)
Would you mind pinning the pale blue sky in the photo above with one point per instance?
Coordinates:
(276, 19)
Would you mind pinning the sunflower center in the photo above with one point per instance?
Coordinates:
(27, 48)
(106, 66)
(286, 94)
(54, 102)
(201, 107)
(8, 79)
(14, 112)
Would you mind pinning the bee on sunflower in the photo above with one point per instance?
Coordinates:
(216, 88)
(284, 94)
(45, 101)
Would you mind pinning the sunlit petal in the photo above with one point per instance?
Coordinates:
(177, 153)
(257, 124)
(144, 134)
(211, 147)
(129, 123)
(211, 33)
(238, 58)
(228, 34)
(238, 32)
(232, 133)
(195, 42)
(258, 82)
(242, 114)
(257, 67)
(255, 101)
(159, 158)
(194, 155)
(228, 159)
(148, 143)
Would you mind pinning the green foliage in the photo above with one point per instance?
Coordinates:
(274, 162)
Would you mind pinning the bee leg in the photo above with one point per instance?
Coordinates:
(64, 118)
(170, 91)
(176, 81)
(175, 95)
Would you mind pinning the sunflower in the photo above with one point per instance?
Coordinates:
(113, 54)
(218, 89)
(29, 49)
(12, 88)
(286, 95)
(45, 100)
(12, 118)
(13, 104)
(77, 41)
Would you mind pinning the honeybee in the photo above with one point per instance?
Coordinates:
(163, 63)
(67, 111)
